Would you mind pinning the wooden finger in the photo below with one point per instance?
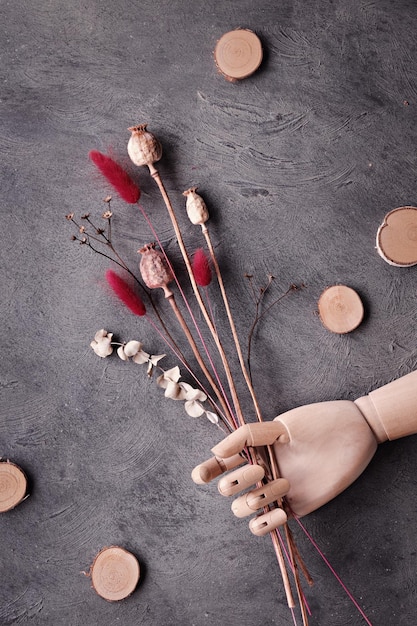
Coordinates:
(240, 479)
(253, 500)
(263, 524)
(257, 434)
(214, 467)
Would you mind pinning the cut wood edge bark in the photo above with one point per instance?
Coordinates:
(238, 54)
(396, 239)
(114, 573)
(13, 485)
(340, 309)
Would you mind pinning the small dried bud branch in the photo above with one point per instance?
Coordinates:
(258, 314)
(102, 239)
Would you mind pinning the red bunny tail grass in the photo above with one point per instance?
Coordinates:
(201, 268)
(125, 293)
(117, 177)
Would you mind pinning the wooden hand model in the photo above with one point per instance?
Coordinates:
(320, 450)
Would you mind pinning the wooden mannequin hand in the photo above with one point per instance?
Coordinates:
(320, 448)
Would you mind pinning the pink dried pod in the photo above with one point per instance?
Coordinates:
(154, 269)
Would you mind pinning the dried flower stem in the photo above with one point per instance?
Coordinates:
(293, 553)
(251, 452)
(231, 322)
(196, 352)
(283, 568)
(147, 219)
(155, 174)
(187, 366)
(271, 454)
(298, 556)
(294, 566)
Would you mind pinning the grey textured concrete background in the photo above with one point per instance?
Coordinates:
(298, 165)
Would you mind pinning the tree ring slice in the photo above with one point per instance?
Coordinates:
(340, 309)
(13, 485)
(115, 573)
(238, 54)
(396, 239)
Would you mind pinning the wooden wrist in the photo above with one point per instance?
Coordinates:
(391, 411)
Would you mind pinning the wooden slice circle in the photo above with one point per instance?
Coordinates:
(115, 573)
(13, 485)
(340, 309)
(396, 239)
(238, 54)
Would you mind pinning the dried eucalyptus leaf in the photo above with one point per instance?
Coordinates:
(154, 358)
(121, 353)
(212, 417)
(132, 347)
(194, 408)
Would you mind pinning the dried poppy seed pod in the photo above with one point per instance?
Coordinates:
(154, 269)
(196, 207)
(143, 147)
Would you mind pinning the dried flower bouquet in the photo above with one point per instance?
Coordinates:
(213, 394)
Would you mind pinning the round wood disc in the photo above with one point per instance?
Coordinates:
(12, 485)
(115, 573)
(396, 240)
(340, 309)
(238, 54)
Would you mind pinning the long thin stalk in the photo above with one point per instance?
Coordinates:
(232, 323)
(273, 464)
(335, 574)
(276, 544)
(189, 309)
(155, 174)
(236, 402)
(183, 361)
(294, 565)
(196, 352)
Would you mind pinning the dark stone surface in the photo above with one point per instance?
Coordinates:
(298, 165)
